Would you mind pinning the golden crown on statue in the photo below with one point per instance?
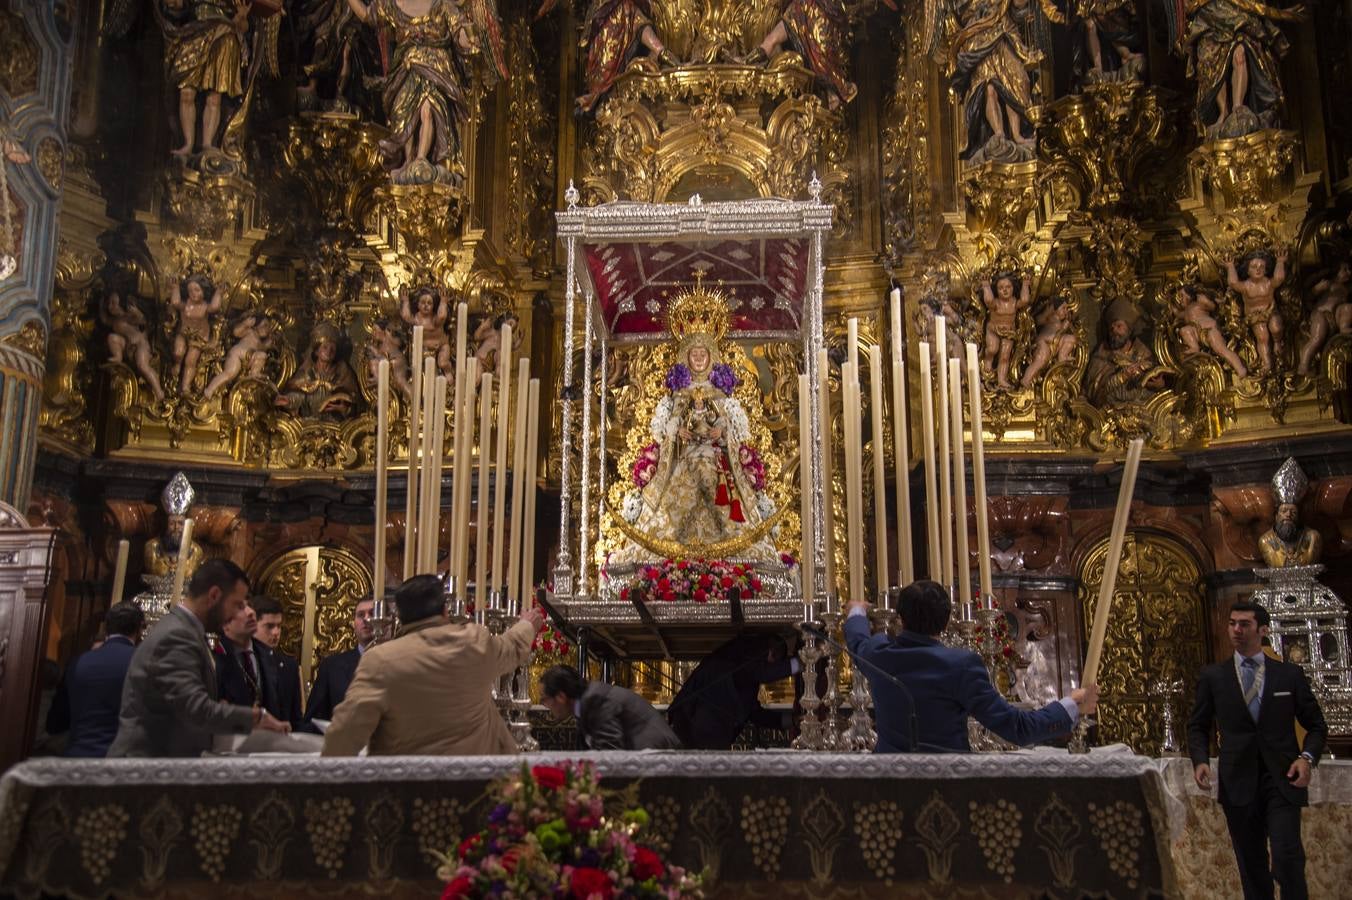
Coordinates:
(699, 311)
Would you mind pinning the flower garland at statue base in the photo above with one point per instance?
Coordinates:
(698, 580)
(548, 836)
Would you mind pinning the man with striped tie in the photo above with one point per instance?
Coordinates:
(1256, 702)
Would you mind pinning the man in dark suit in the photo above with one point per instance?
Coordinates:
(170, 705)
(248, 671)
(945, 684)
(269, 633)
(608, 717)
(89, 697)
(722, 695)
(336, 670)
(1264, 774)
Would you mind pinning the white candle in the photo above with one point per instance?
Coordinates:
(481, 585)
(901, 449)
(466, 464)
(945, 456)
(411, 511)
(806, 561)
(854, 482)
(498, 574)
(382, 481)
(1116, 540)
(518, 485)
(934, 559)
(827, 464)
(852, 343)
(528, 521)
(961, 557)
(120, 571)
(460, 422)
(875, 361)
(428, 490)
(983, 528)
(181, 564)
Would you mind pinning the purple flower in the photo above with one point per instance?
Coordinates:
(499, 813)
(589, 857)
(723, 378)
(678, 377)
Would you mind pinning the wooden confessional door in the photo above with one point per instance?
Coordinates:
(1156, 640)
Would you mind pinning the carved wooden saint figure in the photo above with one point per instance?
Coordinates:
(426, 307)
(1003, 304)
(341, 56)
(1332, 314)
(820, 31)
(427, 90)
(613, 33)
(1258, 291)
(1122, 369)
(128, 342)
(1233, 50)
(1287, 542)
(324, 386)
(1055, 341)
(1106, 37)
(255, 334)
(1197, 328)
(194, 326)
(991, 70)
(161, 553)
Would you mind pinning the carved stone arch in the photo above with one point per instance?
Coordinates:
(344, 579)
(1156, 640)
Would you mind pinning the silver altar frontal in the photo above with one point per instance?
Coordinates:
(627, 266)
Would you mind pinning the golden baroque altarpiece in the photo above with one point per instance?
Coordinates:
(1140, 243)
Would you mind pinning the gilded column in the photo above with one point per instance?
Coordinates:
(34, 98)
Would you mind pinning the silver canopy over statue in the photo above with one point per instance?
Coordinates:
(699, 486)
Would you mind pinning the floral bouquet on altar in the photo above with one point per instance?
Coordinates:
(700, 580)
(548, 836)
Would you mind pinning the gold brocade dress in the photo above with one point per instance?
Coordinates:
(820, 32)
(1216, 28)
(207, 54)
(425, 70)
(611, 35)
(683, 504)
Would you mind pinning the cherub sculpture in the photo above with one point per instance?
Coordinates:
(385, 343)
(1197, 328)
(426, 97)
(820, 30)
(127, 340)
(991, 70)
(614, 32)
(427, 308)
(1055, 341)
(1258, 291)
(1332, 314)
(255, 334)
(488, 339)
(1002, 310)
(1233, 49)
(194, 325)
(940, 306)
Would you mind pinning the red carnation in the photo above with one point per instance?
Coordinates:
(547, 646)
(467, 846)
(588, 882)
(669, 596)
(701, 595)
(755, 583)
(683, 565)
(647, 864)
(706, 581)
(1009, 651)
(460, 887)
(548, 777)
(624, 595)
(726, 582)
(664, 584)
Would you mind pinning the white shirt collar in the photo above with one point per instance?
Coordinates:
(1258, 658)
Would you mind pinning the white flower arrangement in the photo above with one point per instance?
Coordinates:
(739, 427)
(764, 505)
(661, 419)
(633, 506)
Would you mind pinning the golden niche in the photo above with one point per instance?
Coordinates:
(343, 581)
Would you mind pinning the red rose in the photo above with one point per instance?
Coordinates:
(683, 565)
(755, 583)
(460, 887)
(548, 777)
(1009, 651)
(547, 647)
(624, 595)
(587, 883)
(706, 581)
(726, 582)
(467, 846)
(669, 596)
(647, 864)
(664, 584)
(701, 595)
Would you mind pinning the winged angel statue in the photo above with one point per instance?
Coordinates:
(213, 49)
(428, 86)
(992, 70)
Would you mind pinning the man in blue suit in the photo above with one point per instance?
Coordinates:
(946, 684)
(90, 696)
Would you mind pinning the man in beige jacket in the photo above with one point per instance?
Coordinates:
(429, 691)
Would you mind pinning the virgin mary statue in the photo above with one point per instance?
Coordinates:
(699, 487)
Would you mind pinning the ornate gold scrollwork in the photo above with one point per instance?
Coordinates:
(343, 580)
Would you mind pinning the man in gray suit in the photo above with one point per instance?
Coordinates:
(170, 704)
(609, 717)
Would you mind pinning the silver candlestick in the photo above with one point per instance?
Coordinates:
(809, 726)
(833, 739)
